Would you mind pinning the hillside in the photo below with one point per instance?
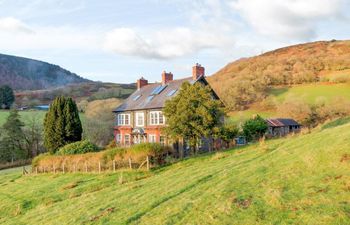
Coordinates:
(28, 74)
(303, 179)
(249, 80)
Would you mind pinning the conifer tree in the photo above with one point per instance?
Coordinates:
(7, 97)
(12, 143)
(62, 124)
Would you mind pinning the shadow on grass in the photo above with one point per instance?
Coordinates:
(335, 123)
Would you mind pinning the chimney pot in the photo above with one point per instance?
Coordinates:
(167, 77)
(141, 83)
(197, 71)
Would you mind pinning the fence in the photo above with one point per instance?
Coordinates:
(92, 166)
(15, 164)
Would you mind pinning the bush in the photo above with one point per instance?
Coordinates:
(254, 128)
(79, 147)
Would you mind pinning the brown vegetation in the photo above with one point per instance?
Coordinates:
(247, 80)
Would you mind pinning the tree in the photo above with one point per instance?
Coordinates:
(62, 124)
(192, 114)
(227, 132)
(33, 136)
(7, 97)
(254, 128)
(12, 143)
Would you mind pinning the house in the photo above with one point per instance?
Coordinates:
(140, 118)
(282, 126)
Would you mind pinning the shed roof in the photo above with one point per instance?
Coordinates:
(281, 122)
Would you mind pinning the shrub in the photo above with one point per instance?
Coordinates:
(254, 128)
(79, 147)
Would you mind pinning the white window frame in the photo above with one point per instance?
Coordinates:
(157, 118)
(152, 138)
(162, 143)
(129, 139)
(142, 115)
(118, 138)
(123, 119)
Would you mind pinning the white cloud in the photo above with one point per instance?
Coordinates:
(165, 43)
(17, 35)
(10, 24)
(290, 19)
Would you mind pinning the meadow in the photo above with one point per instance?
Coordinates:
(301, 179)
(27, 116)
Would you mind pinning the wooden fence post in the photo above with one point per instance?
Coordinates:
(113, 165)
(86, 168)
(54, 168)
(75, 168)
(147, 162)
(63, 168)
(130, 165)
(99, 167)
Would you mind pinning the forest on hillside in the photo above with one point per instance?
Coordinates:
(248, 80)
(28, 74)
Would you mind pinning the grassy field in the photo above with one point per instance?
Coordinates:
(27, 116)
(304, 179)
(311, 92)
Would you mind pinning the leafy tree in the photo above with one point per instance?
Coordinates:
(227, 132)
(33, 136)
(254, 128)
(7, 97)
(192, 114)
(62, 124)
(12, 143)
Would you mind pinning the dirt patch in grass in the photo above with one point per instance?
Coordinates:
(102, 214)
(345, 158)
(243, 203)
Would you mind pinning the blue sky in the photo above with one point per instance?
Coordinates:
(119, 41)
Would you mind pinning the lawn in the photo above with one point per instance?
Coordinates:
(302, 179)
(311, 92)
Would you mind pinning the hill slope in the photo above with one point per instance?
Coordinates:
(325, 61)
(28, 74)
(298, 180)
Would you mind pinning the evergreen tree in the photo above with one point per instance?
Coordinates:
(12, 143)
(192, 114)
(7, 97)
(62, 124)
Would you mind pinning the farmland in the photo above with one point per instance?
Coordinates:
(301, 179)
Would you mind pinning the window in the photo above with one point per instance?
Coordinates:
(118, 138)
(158, 89)
(152, 138)
(171, 93)
(156, 118)
(127, 139)
(136, 97)
(140, 119)
(123, 119)
(162, 140)
(149, 98)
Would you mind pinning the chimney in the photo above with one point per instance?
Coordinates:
(197, 71)
(166, 77)
(141, 83)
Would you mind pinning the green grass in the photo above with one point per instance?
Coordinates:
(27, 116)
(239, 117)
(304, 179)
(311, 92)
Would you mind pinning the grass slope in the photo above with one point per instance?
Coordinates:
(298, 180)
(312, 92)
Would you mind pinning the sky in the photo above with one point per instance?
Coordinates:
(120, 41)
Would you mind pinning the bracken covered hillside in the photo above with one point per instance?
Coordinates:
(326, 61)
(28, 74)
